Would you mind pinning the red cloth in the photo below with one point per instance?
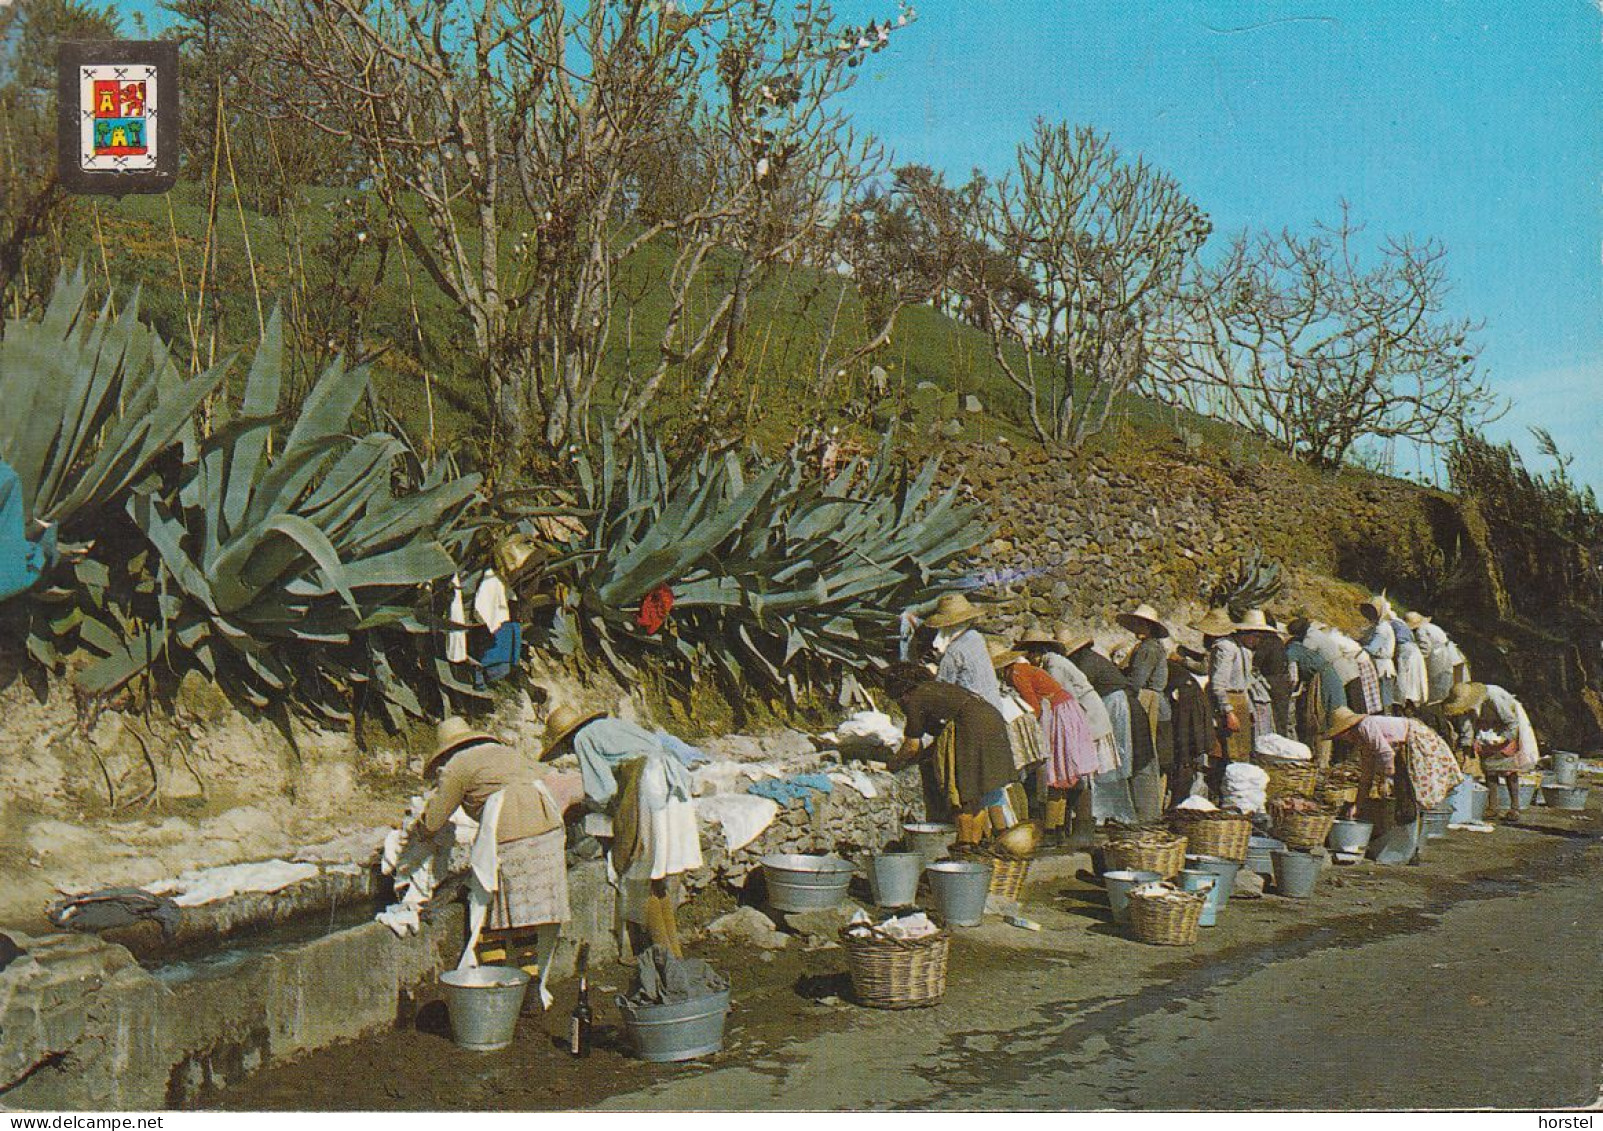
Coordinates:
(1035, 686)
(654, 609)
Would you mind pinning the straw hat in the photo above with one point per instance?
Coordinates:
(1342, 720)
(1416, 620)
(1254, 620)
(1039, 638)
(1217, 623)
(451, 735)
(561, 723)
(1143, 619)
(1464, 698)
(1373, 605)
(1071, 641)
(1001, 654)
(951, 610)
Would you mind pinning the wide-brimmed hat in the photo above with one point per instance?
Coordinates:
(1217, 623)
(561, 723)
(1254, 620)
(1342, 720)
(1001, 654)
(1464, 698)
(1071, 641)
(1039, 638)
(951, 610)
(451, 735)
(1373, 605)
(1415, 620)
(1144, 618)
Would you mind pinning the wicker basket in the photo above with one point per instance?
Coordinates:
(892, 973)
(1153, 850)
(1303, 830)
(1220, 834)
(1007, 872)
(1337, 795)
(1292, 777)
(1169, 918)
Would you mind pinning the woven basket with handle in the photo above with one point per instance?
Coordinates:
(1291, 777)
(1218, 833)
(1008, 873)
(1303, 830)
(1169, 918)
(1151, 850)
(893, 973)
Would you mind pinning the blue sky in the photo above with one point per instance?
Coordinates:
(1480, 124)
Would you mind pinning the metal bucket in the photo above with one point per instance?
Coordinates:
(1570, 798)
(1566, 764)
(1260, 854)
(1350, 836)
(1218, 866)
(799, 882)
(681, 1031)
(931, 840)
(1192, 880)
(1499, 795)
(1436, 821)
(959, 888)
(1118, 884)
(1469, 801)
(484, 1004)
(1399, 844)
(1296, 873)
(893, 876)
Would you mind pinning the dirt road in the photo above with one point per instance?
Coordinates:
(1472, 981)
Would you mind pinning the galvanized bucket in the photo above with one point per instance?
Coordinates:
(931, 840)
(1499, 794)
(959, 888)
(1296, 873)
(681, 1031)
(1218, 866)
(1566, 764)
(1260, 854)
(484, 1004)
(1436, 821)
(1192, 880)
(799, 882)
(1469, 801)
(1569, 798)
(1118, 884)
(1398, 844)
(893, 876)
(1350, 836)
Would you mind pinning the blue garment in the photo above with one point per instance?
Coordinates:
(967, 663)
(1310, 662)
(607, 742)
(500, 658)
(21, 562)
(681, 749)
(1404, 634)
(797, 786)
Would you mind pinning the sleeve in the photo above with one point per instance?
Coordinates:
(1380, 643)
(1217, 657)
(951, 667)
(599, 783)
(1029, 683)
(444, 800)
(919, 717)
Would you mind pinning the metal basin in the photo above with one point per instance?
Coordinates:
(1570, 798)
(1119, 884)
(798, 882)
(484, 1003)
(683, 1030)
(1350, 836)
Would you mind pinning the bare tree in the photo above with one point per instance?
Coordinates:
(534, 116)
(1105, 244)
(1296, 338)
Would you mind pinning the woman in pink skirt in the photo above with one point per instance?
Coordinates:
(1071, 756)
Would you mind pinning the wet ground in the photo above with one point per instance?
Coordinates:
(1470, 981)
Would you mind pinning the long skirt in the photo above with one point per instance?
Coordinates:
(1432, 769)
(1111, 799)
(1364, 694)
(1413, 683)
(1071, 752)
(533, 888)
(1312, 720)
(1029, 741)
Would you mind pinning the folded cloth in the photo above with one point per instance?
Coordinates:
(856, 779)
(115, 907)
(662, 979)
(742, 816)
(1245, 787)
(797, 787)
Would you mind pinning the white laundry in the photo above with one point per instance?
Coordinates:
(419, 865)
(208, 885)
(484, 867)
(1245, 787)
(1201, 804)
(1281, 748)
(456, 640)
(725, 775)
(490, 602)
(855, 778)
(742, 816)
(874, 728)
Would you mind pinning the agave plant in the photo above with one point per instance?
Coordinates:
(89, 403)
(1253, 583)
(287, 560)
(769, 565)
